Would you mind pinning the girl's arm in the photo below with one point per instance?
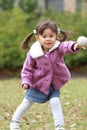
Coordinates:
(73, 47)
(27, 72)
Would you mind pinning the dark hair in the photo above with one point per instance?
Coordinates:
(40, 29)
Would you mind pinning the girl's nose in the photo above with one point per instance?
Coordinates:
(48, 38)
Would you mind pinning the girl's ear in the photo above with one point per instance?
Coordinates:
(37, 37)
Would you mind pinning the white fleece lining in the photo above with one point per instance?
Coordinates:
(36, 49)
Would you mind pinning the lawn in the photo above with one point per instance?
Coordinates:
(39, 116)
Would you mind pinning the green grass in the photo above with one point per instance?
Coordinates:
(39, 116)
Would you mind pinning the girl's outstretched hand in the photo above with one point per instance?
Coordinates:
(77, 47)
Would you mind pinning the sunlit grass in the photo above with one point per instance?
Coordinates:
(39, 116)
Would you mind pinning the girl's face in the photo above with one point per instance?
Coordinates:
(47, 39)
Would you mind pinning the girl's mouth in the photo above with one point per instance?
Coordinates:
(48, 43)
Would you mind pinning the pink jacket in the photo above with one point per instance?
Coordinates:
(40, 70)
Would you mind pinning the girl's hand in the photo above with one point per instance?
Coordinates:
(76, 47)
(25, 86)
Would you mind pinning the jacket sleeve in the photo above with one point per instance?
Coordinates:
(27, 70)
(66, 47)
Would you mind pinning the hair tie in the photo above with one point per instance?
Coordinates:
(58, 30)
(34, 31)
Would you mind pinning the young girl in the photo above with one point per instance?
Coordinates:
(44, 71)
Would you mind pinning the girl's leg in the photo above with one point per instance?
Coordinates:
(21, 110)
(57, 111)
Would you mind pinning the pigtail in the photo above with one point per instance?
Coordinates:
(24, 44)
(64, 35)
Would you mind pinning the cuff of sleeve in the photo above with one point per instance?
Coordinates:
(74, 47)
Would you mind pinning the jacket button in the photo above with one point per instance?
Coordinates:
(46, 63)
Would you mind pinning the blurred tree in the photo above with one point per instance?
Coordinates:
(28, 5)
(6, 4)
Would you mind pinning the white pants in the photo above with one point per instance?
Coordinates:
(55, 106)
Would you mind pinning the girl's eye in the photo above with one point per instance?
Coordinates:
(44, 36)
(51, 35)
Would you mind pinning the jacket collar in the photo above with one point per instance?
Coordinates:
(36, 49)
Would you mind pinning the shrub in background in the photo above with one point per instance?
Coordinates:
(16, 24)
